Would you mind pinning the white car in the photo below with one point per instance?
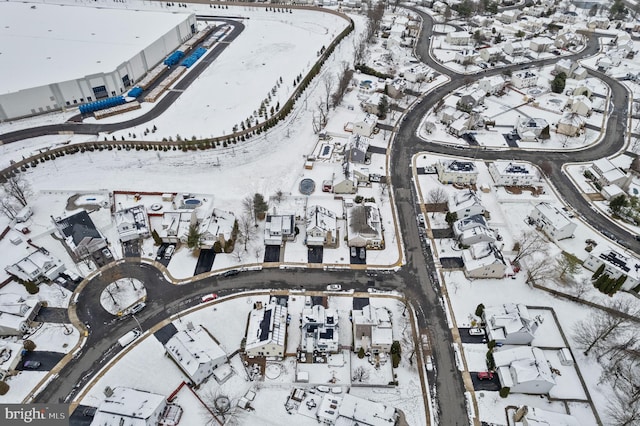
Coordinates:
(137, 308)
(476, 331)
(169, 252)
(421, 219)
(334, 287)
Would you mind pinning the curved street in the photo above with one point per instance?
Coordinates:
(414, 279)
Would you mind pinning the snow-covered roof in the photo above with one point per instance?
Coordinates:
(535, 416)
(127, 405)
(70, 41)
(322, 218)
(14, 310)
(627, 265)
(526, 363)
(190, 349)
(508, 318)
(513, 168)
(267, 325)
(476, 220)
(481, 254)
(464, 199)
(554, 216)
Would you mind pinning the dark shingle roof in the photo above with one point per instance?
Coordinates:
(78, 227)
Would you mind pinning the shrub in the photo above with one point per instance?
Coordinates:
(361, 353)
(491, 363)
(4, 388)
(479, 310)
(504, 392)
(31, 287)
(395, 359)
(217, 247)
(29, 345)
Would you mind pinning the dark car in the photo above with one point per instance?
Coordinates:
(31, 365)
(231, 273)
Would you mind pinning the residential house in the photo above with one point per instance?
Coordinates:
(366, 126)
(372, 330)
(460, 126)
(395, 88)
(510, 324)
(465, 204)
(492, 85)
(215, 227)
(416, 73)
(483, 260)
(524, 79)
(348, 409)
(532, 129)
(567, 66)
(580, 73)
(457, 172)
(278, 229)
(598, 22)
(515, 48)
(491, 54)
(440, 7)
(540, 44)
(470, 222)
(320, 332)
(356, 150)
(511, 173)
(175, 226)
(527, 415)
(567, 17)
(567, 39)
(127, 406)
(132, 223)
(524, 369)
(449, 114)
(466, 56)
(481, 21)
(458, 38)
(80, 234)
(623, 42)
(580, 105)
(365, 227)
(554, 222)
(266, 330)
(37, 267)
(570, 124)
(346, 186)
(508, 16)
(10, 358)
(583, 89)
(470, 100)
(196, 353)
(17, 314)
(606, 173)
(616, 265)
(478, 234)
(533, 25)
(372, 103)
(322, 227)
(397, 30)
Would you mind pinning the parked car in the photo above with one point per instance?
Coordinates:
(477, 331)
(363, 253)
(106, 253)
(169, 252)
(209, 297)
(31, 365)
(485, 375)
(421, 219)
(334, 287)
(137, 308)
(129, 337)
(231, 273)
(161, 251)
(353, 252)
(590, 241)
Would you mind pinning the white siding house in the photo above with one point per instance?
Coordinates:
(483, 260)
(509, 173)
(616, 265)
(372, 329)
(456, 171)
(196, 353)
(127, 406)
(510, 324)
(465, 204)
(37, 267)
(266, 331)
(554, 222)
(524, 369)
(365, 227)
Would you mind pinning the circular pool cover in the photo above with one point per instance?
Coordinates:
(307, 186)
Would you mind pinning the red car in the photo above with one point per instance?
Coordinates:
(485, 375)
(209, 297)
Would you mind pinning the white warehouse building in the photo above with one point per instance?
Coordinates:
(59, 56)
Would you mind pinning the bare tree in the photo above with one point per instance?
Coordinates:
(345, 75)
(539, 270)
(624, 402)
(219, 407)
(360, 374)
(8, 207)
(328, 84)
(436, 196)
(246, 229)
(319, 121)
(279, 196)
(592, 332)
(248, 207)
(528, 243)
(18, 188)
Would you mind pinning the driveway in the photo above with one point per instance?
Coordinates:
(314, 254)
(47, 360)
(205, 261)
(486, 385)
(272, 254)
(452, 262)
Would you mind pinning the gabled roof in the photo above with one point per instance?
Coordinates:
(132, 405)
(78, 226)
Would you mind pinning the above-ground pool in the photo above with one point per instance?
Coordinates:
(366, 84)
(192, 203)
(325, 151)
(307, 186)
